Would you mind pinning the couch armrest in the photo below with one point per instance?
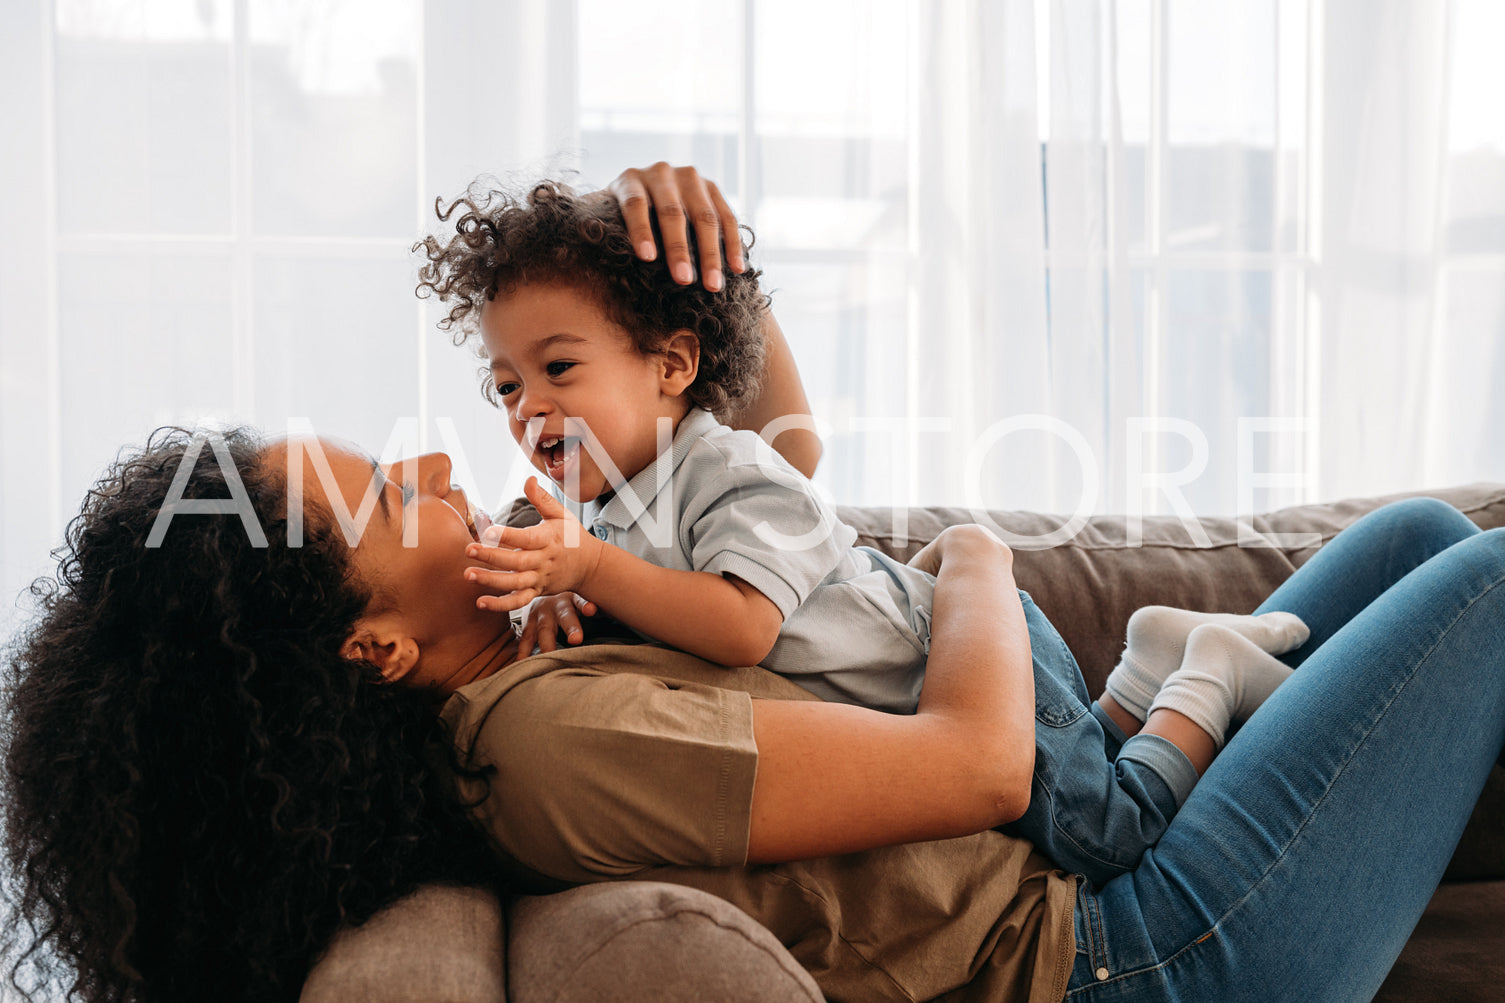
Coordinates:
(648, 941)
(442, 944)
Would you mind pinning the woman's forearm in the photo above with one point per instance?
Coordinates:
(979, 673)
(834, 778)
(780, 407)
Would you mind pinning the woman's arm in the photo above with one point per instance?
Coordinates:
(836, 779)
(779, 411)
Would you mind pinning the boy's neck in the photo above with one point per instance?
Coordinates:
(676, 416)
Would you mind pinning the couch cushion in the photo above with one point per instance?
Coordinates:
(645, 940)
(1457, 952)
(442, 944)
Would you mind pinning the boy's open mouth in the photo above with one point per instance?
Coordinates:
(558, 451)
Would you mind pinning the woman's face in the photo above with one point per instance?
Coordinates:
(424, 628)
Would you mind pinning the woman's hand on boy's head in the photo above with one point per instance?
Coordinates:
(551, 616)
(557, 555)
(678, 194)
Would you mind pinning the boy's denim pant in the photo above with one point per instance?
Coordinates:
(1301, 861)
(1097, 801)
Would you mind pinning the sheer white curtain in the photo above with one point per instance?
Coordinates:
(1027, 364)
(1240, 255)
(1412, 299)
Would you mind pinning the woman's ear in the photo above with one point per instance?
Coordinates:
(681, 361)
(385, 647)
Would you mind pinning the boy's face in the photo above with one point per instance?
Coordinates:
(575, 388)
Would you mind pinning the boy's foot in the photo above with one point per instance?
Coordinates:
(1157, 639)
(1223, 678)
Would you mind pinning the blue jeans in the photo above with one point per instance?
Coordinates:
(1097, 801)
(1301, 862)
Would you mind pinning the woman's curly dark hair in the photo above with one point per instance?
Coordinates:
(197, 789)
(550, 234)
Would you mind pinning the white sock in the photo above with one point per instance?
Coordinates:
(1157, 643)
(1224, 677)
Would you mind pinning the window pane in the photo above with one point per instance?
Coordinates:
(145, 341)
(1133, 30)
(335, 342)
(1469, 354)
(834, 192)
(832, 141)
(636, 109)
(845, 72)
(1474, 213)
(334, 117)
(698, 85)
(1215, 369)
(850, 342)
(143, 117)
(1220, 126)
(1475, 121)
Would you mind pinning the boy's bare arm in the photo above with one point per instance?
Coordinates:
(721, 619)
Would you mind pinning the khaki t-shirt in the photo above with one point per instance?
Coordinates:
(635, 761)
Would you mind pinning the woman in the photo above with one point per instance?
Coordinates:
(1401, 689)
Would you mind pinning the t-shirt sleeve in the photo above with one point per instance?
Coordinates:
(610, 775)
(764, 524)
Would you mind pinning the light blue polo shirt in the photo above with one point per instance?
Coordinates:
(856, 622)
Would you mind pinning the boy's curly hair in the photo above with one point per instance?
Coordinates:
(197, 789)
(503, 240)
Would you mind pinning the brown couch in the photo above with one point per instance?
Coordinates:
(647, 941)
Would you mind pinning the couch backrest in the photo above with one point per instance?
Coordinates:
(1090, 583)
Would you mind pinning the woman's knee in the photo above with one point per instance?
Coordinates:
(1426, 516)
(1427, 525)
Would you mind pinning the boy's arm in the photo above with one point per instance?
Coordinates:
(722, 619)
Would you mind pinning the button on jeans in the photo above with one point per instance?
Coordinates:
(1300, 863)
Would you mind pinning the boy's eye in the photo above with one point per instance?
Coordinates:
(558, 368)
(507, 389)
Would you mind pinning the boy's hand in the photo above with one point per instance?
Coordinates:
(557, 555)
(550, 616)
